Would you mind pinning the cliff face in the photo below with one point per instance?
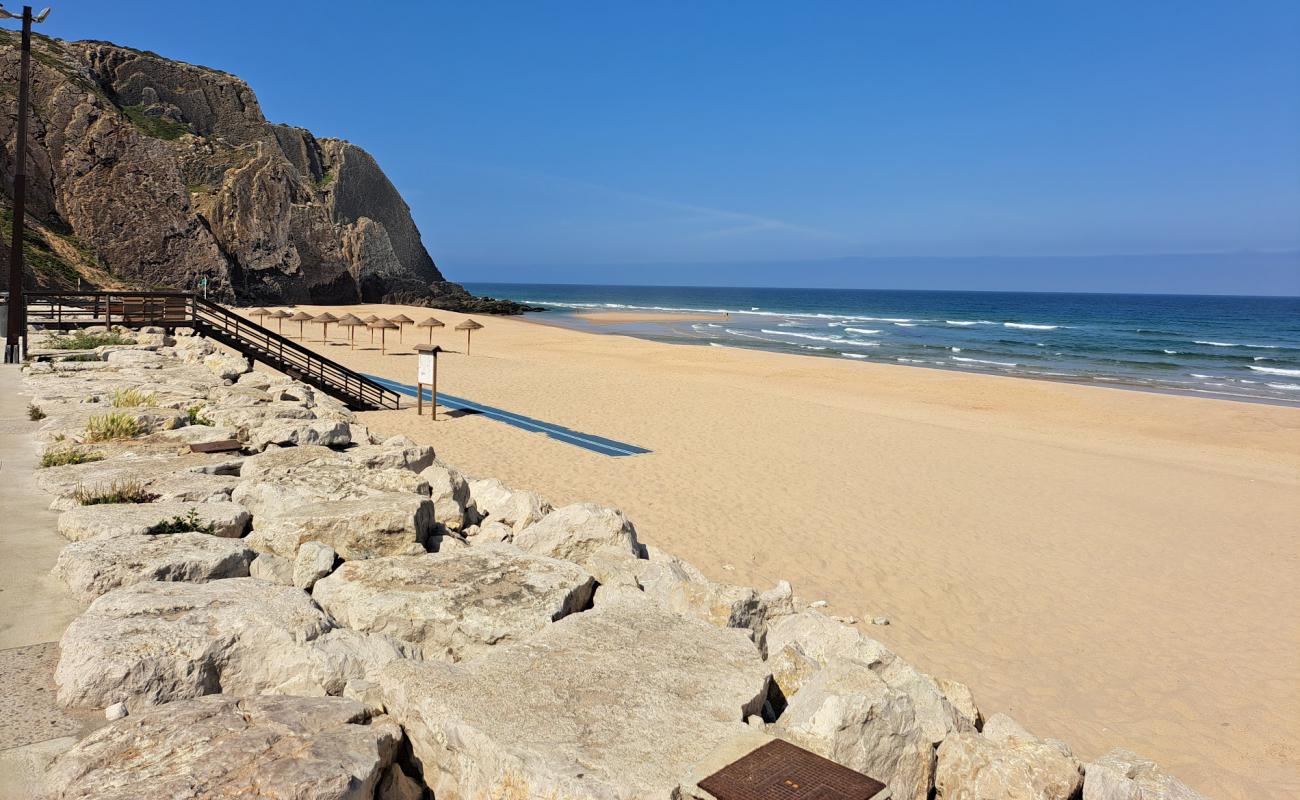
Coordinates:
(149, 173)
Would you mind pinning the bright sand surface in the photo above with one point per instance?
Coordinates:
(609, 317)
(1110, 567)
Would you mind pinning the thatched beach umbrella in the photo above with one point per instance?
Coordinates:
(383, 326)
(302, 318)
(260, 313)
(324, 318)
(469, 326)
(279, 315)
(370, 319)
(402, 321)
(351, 321)
(431, 323)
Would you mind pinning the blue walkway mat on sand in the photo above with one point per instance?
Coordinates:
(596, 444)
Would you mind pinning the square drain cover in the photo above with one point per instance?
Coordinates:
(780, 771)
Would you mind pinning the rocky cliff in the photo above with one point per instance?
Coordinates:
(145, 172)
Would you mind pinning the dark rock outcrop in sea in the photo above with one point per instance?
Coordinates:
(150, 173)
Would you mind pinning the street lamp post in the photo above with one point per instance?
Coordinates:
(16, 319)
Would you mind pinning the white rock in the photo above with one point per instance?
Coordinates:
(396, 453)
(128, 519)
(490, 532)
(455, 605)
(313, 562)
(289, 433)
(115, 711)
(971, 765)
(616, 702)
(390, 524)
(226, 365)
(270, 494)
(152, 643)
(449, 493)
(1125, 775)
(273, 568)
(224, 747)
(138, 359)
(497, 502)
(575, 532)
(91, 568)
(846, 713)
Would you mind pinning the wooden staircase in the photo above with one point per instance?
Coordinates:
(171, 310)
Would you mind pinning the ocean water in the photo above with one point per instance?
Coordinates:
(1244, 348)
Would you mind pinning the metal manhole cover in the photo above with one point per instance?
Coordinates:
(780, 771)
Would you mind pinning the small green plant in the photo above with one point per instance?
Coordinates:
(131, 398)
(63, 456)
(81, 357)
(196, 416)
(179, 524)
(88, 341)
(157, 127)
(34, 412)
(113, 425)
(116, 492)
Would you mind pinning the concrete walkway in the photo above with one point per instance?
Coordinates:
(34, 607)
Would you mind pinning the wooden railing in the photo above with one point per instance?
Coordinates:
(182, 309)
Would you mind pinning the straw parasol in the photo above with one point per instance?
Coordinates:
(370, 319)
(383, 325)
(402, 321)
(351, 321)
(469, 326)
(431, 323)
(324, 318)
(279, 315)
(302, 317)
(260, 313)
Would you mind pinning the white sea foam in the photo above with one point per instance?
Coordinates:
(1215, 344)
(966, 322)
(979, 361)
(1199, 375)
(1290, 373)
(1028, 326)
(905, 324)
(955, 349)
(1286, 387)
(853, 355)
(867, 331)
(835, 339)
(1171, 352)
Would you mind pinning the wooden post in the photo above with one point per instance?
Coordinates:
(427, 374)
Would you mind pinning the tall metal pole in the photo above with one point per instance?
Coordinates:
(17, 317)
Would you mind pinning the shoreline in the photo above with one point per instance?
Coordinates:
(615, 317)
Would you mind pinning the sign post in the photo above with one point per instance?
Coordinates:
(427, 375)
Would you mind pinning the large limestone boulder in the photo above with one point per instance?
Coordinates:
(846, 713)
(135, 519)
(219, 747)
(156, 472)
(497, 502)
(615, 702)
(227, 366)
(449, 492)
(1007, 762)
(824, 641)
(399, 452)
(1125, 775)
(276, 569)
(313, 562)
(388, 524)
(456, 605)
(152, 643)
(246, 418)
(340, 480)
(291, 433)
(577, 532)
(91, 568)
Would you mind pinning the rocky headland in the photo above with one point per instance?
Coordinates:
(149, 173)
(316, 613)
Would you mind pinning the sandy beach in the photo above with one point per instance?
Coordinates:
(1110, 567)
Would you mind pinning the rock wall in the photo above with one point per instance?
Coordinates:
(155, 174)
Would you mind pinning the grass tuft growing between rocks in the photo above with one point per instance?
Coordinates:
(34, 412)
(88, 341)
(195, 414)
(179, 524)
(157, 127)
(113, 425)
(132, 398)
(116, 492)
(63, 456)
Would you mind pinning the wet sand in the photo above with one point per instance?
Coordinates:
(1112, 568)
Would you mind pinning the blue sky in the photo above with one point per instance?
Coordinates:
(573, 140)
